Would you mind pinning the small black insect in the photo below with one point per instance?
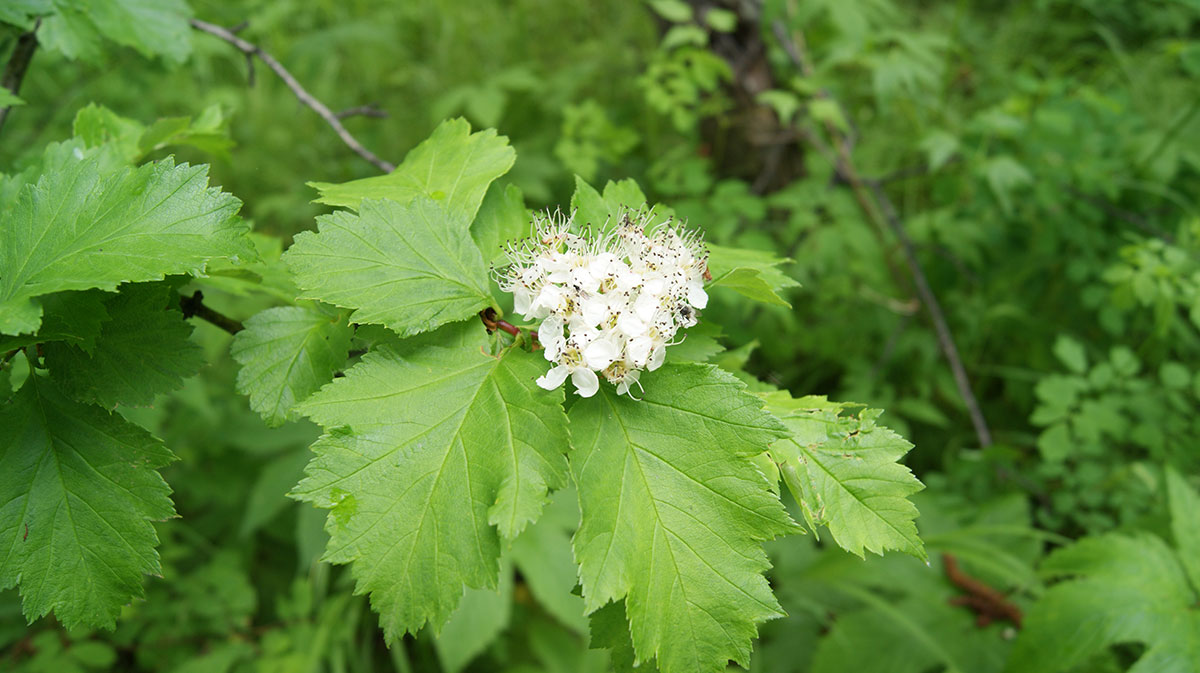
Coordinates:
(686, 312)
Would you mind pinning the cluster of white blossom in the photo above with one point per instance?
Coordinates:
(610, 301)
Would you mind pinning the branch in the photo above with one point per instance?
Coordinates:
(875, 204)
(251, 50)
(193, 307)
(18, 63)
(987, 603)
(370, 110)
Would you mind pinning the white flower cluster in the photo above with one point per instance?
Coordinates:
(610, 301)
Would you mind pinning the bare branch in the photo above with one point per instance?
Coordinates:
(876, 205)
(18, 63)
(250, 49)
(369, 110)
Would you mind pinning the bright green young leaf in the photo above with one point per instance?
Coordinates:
(750, 273)
(9, 99)
(410, 267)
(286, 354)
(592, 207)
(674, 513)
(433, 456)
(453, 166)
(1116, 589)
(82, 226)
(143, 350)
(79, 490)
(843, 472)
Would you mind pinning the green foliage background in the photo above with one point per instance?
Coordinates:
(1042, 154)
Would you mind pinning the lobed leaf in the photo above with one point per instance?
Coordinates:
(433, 455)
(409, 267)
(79, 489)
(453, 167)
(143, 349)
(843, 472)
(88, 224)
(286, 354)
(750, 273)
(1122, 589)
(674, 513)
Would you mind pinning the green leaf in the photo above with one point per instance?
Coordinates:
(453, 166)
(79, 489)
(939, 146)
(721, 20)
(432, 455)
(82, 227)
(542, 552)
(143, 350)
(22, 13)
(286, 354)
(1071, 353)
(410, 267)
(152, 27)
(750, 273)
(1121, 589)
(672, 10)
(591, 207)
(9, 99)
(843, 472)
(674, 513)
(502, 217)
(481, 616)
(610, 630)
(1185, 522)
(1005, 175)
(72, 317)
(97, 125)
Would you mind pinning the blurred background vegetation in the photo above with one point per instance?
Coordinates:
(1042, 156)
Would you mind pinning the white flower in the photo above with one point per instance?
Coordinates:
(612, 300)
(553, 378)
(586, 382)
(600, 354)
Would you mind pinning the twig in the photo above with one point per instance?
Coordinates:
(492, 323)
(1121, 214)
(987, 603)
(18, 63)
(250, 49)
(370, 110)
(193, 306)
(875, 204)
(944, 336)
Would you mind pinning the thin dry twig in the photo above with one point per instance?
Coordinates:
(876, 205)
(18, 64)
(369, 110)
(250, 49)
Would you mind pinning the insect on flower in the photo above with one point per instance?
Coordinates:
(610, 299)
